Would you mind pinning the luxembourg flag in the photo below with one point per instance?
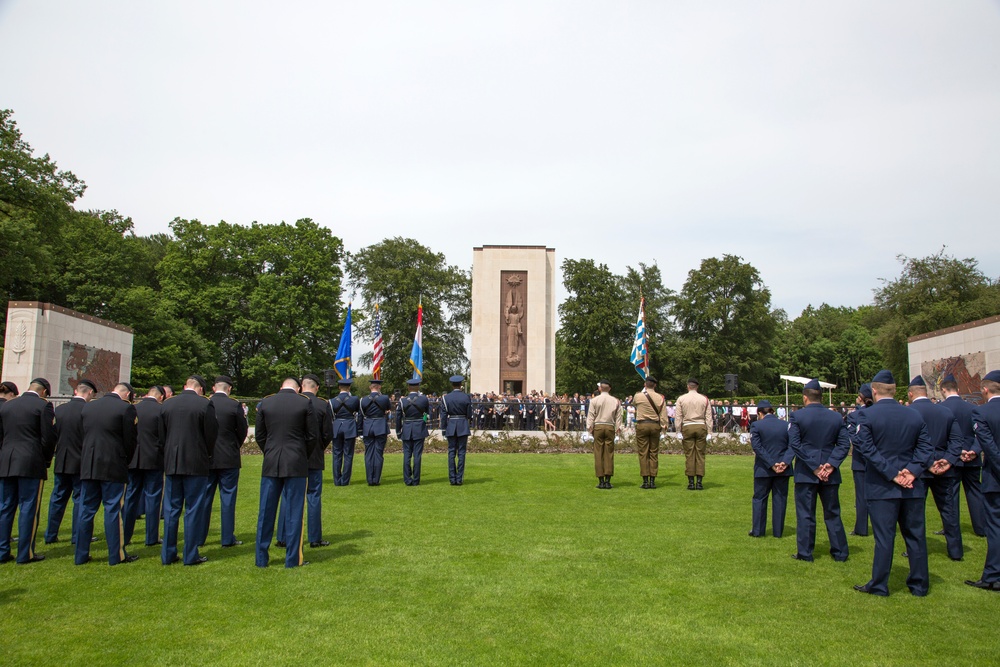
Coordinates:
(417, 353)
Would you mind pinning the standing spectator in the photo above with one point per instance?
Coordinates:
(694, 419)
(671, 413)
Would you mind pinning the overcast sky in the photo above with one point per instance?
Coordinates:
(816, 140)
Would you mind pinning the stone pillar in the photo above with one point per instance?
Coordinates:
(513, 319)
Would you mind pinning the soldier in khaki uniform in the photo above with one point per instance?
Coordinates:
(694, 419)
(604, 421)
(650, 420)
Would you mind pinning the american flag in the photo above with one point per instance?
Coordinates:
(379, 354)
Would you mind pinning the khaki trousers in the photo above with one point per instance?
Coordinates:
(604, 450)
(647, 443)
(695, 443)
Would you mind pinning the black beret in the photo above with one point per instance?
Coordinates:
(87, 383)
(44, 383)
(224, 378)
(313, 377)
(9, 387)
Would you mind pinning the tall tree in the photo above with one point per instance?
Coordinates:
(829, 343)
(35, 206)
(395, 273)
(931, 293)
(726, 325)
(595, 328)
(266, 297)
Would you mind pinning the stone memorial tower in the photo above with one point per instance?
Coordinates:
(513, 319)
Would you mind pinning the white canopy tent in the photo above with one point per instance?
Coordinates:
(801, 380)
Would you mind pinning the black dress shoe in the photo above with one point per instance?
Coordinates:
(131, 558)
(198, 561)
(94, 539)
(801, 557)
(280, 544)
(864, 588)
(459, 483)
(84, 561)
(957, 560)
(153, 544)
(235, 543)
(321, 543)
(906, 555)
(304, 563)
(52, 541)
(175, 559)
(753, 534)
(857, 534)
(6, 559)
(986, 586)
(37, 558)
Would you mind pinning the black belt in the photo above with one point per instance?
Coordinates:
(412, 421)
(648, 421)
(375, 418)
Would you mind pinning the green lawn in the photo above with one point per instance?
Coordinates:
(527, 563)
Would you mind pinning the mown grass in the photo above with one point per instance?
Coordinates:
(526, 563)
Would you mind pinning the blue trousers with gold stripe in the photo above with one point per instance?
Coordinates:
(22, 494)
(314, 503)
(64, 487)
(292, 492)
(144, 495)
(94, 493)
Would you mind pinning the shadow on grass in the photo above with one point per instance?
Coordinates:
(11, 595)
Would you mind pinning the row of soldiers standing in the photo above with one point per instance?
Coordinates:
(161, 457)
(900, 455)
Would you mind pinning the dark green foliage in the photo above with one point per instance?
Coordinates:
(726, 325)
(396, 273)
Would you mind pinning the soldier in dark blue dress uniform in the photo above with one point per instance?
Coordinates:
(346, 425)
(375, 431)
(863, 400)
(895, 444)
(986, 421)
(970, 464)
(69, 442)
(772, 467)
(411, 427)
(456, 411)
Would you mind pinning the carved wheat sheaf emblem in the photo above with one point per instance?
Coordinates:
(19, 344)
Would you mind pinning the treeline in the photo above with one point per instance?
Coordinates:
(722, 321)
(264, 301)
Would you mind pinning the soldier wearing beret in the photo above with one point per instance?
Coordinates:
(69, 442)
(772, 467)
(604, 422)
(224, 471)
(27, 441)
(456, 412)
(8, 390)
(412, 413)
(897, 449)
(109, 437)
(819, 440)
(650, 421)
(144, 494)
(986, 421)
